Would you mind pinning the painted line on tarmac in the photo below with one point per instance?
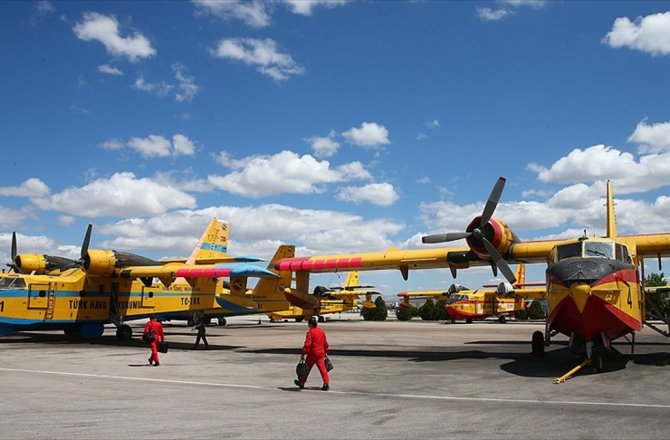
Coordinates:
(348, 393)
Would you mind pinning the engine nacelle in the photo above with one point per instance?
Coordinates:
(504, 289)
(495, 231)
(105, 262)
(29, 263)
(99, 262)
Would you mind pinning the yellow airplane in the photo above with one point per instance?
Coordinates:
(235, 299)
(325, 300)
(594, 291)
(38, 264)
(110, 287)
(466, 304)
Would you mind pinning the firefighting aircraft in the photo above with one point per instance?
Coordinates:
(234, 299)
(325, 300)
(463, 303)
(594, 290)
(111, 286)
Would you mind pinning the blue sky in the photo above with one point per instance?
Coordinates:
(336, 126)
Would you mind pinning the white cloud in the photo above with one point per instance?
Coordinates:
(264, 54)
(649, 34)
(184, 89)
(252, 13)
(508, 8)
(324, 146)
(121, 195)
(41, 10)
(256, 231)
(284, 172)
(599, 163)
(258, 13)
(32, 187)
(109, 70)
(36, 244)
(434, 123)
(380, 194)
(423, 180)
(652, 138)
(488, 14)
(66, 220)
(370, 134)
(182, 146)
(9, 218)
(354, 171)
(306, 7)
(155, 145)
(105, 29)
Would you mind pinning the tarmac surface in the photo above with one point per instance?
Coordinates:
(391, 380)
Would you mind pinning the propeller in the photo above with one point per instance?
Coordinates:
(84, 246)
(477, 233)
(15, 267)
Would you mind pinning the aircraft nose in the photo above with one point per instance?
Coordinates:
(580, 293)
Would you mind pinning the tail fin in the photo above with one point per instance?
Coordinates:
(213, 243)
(352, 280)
(276, 286)
(520, 274)
(611, 216)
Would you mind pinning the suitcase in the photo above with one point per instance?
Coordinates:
(163, 347)
(329, 364)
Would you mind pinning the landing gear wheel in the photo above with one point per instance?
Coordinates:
(452, 320)
(71, 332)
(468, 320)
(322, 319)
(222, 322)
(190, 322)
(299, 319)
(537, 343)
(597, 363)
(124, 333)
(502, 319)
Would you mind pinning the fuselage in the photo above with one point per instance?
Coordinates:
(481, 304)
(593, 291)
(74, 300)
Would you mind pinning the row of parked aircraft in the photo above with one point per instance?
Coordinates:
(594, 286)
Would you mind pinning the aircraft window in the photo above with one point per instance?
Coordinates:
(598, 249)
(6, 282)
(622, 253)
(19, 283)
(43, 293)
(568, 251)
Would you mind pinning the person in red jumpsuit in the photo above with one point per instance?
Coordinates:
(159, 337)
(316, 349)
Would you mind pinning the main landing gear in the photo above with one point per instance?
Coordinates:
(124, 332)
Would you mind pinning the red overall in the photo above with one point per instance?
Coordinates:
(157, 328)
(316, 348)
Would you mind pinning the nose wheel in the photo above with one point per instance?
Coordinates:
(124, 333)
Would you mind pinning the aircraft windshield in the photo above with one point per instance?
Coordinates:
(8, 282)
(598, 249)
(586, 248)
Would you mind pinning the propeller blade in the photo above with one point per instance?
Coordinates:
(441, 238)
(498, 260)
(87, 241)
(492, 202)
(13, 246)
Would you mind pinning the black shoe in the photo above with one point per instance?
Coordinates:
(326, 387)
(299, 384)
(157, 364)
(151, 362)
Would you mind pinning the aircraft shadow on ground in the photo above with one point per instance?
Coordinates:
(108, 340)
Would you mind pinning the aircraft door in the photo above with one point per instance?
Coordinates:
(38, 295)
(149, 296)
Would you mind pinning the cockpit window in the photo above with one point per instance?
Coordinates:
(6, 282)
(568, 251)
(598, 249)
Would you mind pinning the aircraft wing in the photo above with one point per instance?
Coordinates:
(404, 260)
(202, 261)
(174, 270)
(423, 294)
